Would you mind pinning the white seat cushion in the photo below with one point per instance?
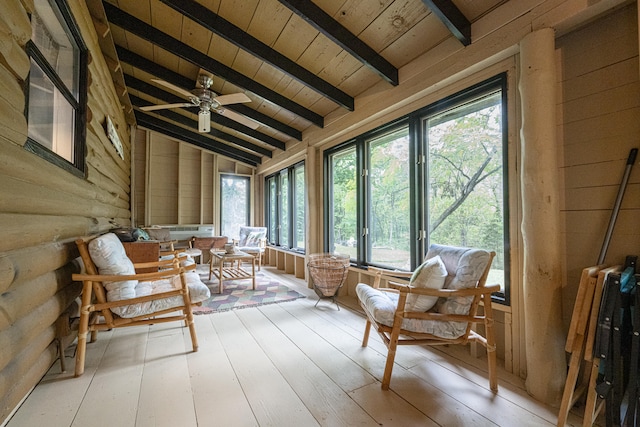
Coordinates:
(109, 257)
(382, 306)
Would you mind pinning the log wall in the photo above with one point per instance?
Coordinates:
(599, 108)
(43, 208)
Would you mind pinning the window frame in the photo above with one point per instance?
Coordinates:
(235, 177)
(419, 177)
(67, 21)
(274, 232)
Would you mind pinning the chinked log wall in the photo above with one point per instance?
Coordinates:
(43, 208)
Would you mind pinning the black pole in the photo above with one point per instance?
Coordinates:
(616, 208)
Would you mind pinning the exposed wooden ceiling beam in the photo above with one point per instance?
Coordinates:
(170, 98)
(165, 74)
(452, 18)
(323, 22)
(147, 32)
(180, 133)
(247, 42)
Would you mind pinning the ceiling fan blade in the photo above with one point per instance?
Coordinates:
(173, 87)
(164, 106)
(233, 98)
(204, 121)
(239, 118)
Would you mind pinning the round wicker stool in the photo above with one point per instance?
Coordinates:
(328, 272)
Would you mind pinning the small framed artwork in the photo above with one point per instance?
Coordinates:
(112, 134)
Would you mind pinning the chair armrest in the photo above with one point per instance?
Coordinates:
(122, 277)
(389, 275)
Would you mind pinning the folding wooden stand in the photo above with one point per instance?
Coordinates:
(580, 340)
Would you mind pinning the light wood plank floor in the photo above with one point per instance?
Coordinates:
(287, 364)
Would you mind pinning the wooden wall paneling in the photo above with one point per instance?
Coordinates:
(13, 125)
(163, 180)
(215, 193)
(190, 184)
(600, 106)
(208, 190)
(138, 172)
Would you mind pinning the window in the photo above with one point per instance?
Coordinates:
(57, 87)
(234, 204)
(466, 197)
(437, 175)
(298, 206)
(342, 230)
(285, 208)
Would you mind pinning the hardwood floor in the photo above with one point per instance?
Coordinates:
(287, 364)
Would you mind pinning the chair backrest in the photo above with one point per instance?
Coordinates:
(206, 243)
(251, 236)
(467, 268)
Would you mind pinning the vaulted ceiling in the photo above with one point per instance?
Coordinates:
(297, 61)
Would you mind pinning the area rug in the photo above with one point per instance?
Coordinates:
(238, 294)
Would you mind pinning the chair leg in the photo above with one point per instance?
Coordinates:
(367, 329)
(388, 368)
(491, 345)
(83, 328)
(192, 331)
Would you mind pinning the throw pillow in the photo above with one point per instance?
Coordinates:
(430, 274)
(254, 238)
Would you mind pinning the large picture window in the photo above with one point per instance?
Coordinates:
(235, 199)
(437, 175)
(285, 213)
(57, 87)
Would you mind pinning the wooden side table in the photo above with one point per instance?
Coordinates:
(234, 270)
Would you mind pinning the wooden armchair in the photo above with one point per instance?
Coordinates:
(253, 241)
(438, 306)
(114, 296)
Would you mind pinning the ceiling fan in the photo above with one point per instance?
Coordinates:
(207, 100)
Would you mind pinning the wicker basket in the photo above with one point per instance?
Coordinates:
(328, 272)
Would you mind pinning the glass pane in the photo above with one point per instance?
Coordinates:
(466, 201)
(299, 207)
(51, 36)
(51, 117)
(389, 192)
(343, 229)
(273, 206)
(234, 205)
(284, 209)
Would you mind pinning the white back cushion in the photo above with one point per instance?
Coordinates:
(430, 274)
(109, 256)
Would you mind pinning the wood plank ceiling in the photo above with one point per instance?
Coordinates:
(296, 60)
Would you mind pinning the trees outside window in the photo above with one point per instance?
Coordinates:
(388, 196)
(342, 230)
(235, 197)
(285, 212)
(435, 176)
(466, 178)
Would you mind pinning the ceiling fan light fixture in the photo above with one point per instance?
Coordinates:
(204, 121)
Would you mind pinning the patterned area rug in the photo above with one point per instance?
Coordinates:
(238, 294)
